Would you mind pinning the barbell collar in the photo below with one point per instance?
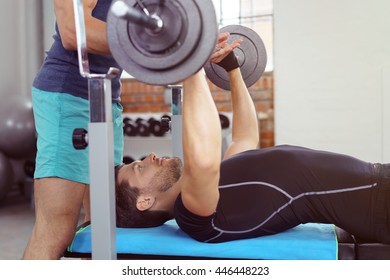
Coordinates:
(122, 10)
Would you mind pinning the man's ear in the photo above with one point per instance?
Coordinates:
(145, 202)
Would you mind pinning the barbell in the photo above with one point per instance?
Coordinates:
(162, 42)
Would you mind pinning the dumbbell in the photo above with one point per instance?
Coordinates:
(127, 159)
(155, 127)
(142, 127)
(225, 122)
(129, 128)
(165, 123)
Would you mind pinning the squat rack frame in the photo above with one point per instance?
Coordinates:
(100, 142)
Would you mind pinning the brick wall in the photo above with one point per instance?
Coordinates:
(142, 98)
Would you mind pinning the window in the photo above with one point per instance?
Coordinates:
(255, 14)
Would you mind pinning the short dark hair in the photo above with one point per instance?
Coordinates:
(127, 213)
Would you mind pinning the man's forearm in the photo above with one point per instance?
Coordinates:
(95, 28)
(245, 129)
(97, 36)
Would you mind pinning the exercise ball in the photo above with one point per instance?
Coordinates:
(17, 127)
(6, 176)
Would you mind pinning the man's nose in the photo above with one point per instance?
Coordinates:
(152, 157)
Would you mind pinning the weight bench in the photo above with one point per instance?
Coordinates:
(355, 248)
(304, 242)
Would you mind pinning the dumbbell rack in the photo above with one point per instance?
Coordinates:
(138, 146)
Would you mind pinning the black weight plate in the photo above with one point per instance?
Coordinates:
(251, 55)
(141, 40)
(167, 68)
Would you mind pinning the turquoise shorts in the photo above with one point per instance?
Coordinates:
(56, 115)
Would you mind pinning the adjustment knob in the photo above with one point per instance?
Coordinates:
(80, 138)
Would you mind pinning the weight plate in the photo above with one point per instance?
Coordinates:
(141, 40)
(251, 55)
(194, 35)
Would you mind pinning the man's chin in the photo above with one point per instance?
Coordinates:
(177, 165)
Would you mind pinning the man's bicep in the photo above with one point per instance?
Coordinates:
(199, 195)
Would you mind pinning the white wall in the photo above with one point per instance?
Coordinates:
(332, 75)
(8, 48)
(21, 44)
(48, 24)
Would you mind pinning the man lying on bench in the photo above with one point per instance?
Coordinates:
(252, 192)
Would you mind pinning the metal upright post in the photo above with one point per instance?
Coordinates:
(101, 148)
(101, 170)
(176, 122)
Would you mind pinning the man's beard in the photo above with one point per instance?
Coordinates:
(168, 176)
